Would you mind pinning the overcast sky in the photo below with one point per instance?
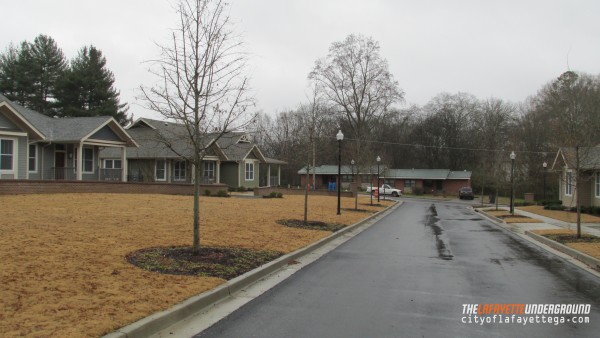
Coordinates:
(504, 49)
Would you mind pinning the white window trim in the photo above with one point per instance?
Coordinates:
(113, 162)
(83, 160)
(15, 156)
(253, 171)
(75, 159)
(156, 170)
(568, 184)
(37, 151)
(180, 179)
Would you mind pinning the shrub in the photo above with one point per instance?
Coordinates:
(417, 191)
(231, 189)
(241, 189)
(279, 195)
(206, 192)
(222, 193)
(555, 207)
(551, 202)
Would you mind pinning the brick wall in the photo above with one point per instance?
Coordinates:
(451, 186)
(265, 191)
(13, 187)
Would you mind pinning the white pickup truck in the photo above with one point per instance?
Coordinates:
(387, 190)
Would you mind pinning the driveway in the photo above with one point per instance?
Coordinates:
(409, 276)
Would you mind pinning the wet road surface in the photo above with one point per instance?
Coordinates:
(410, 274)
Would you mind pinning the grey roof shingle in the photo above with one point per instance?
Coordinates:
(153, 136)
(69, 129)
(589, 157)
(423, 174)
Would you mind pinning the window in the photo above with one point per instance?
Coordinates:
(209, 170)
(597, 184)
(346, 178)
(161, 170)
(179, 171)
(389, 181)
(6, 154)
(569, 184)
(410, 183)
(33, 158)
(112, 164)
(88, 160)
(249, 171)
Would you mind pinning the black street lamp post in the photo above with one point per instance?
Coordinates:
(545, 165)
(378, 192)
(355, 186)
(339, 137)
(512, 181)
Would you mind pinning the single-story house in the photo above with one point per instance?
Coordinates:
(589, 172)
(37, 147)
(430, 180)
(234, 159)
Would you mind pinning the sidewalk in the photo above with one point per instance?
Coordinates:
(527, 231)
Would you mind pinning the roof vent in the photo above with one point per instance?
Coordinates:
(166, 124)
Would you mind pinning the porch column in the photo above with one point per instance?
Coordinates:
(123, 164)
(279, 175)
(79, 166)
(268, 175)
(218, 170)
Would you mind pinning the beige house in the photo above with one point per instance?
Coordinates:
(589, 175)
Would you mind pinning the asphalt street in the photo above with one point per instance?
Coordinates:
(409, 276)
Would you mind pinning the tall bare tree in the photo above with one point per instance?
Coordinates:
(202, 86)
(356, 81)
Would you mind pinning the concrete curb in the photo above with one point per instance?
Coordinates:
(161, 320)
(592, 262)
(494, 218)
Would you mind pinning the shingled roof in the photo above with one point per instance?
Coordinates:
(156, 138)
(68, 129)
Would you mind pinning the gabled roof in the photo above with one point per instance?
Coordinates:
(154, 135)
(346, 170)
(589, 158)
(70, 129)
(421, 174)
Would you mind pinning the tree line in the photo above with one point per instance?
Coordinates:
(352, 90)
(37, 75)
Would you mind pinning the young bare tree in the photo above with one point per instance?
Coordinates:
(202, 87)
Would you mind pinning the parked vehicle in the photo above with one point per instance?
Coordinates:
(466, 193)
(387, 190)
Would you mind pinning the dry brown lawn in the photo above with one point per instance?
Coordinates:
(508, 218)
(63, 269)
(565, 216)
(591, 249)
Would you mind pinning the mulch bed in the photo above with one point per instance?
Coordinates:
(311, 225)
(226, 263)
(569, 238)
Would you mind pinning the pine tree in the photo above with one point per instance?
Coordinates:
(86, 88)
(16, 78)
(48, 63)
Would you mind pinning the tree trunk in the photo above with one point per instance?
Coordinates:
(196, 244)
(306, 195)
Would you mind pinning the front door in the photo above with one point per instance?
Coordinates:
(59, 165)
